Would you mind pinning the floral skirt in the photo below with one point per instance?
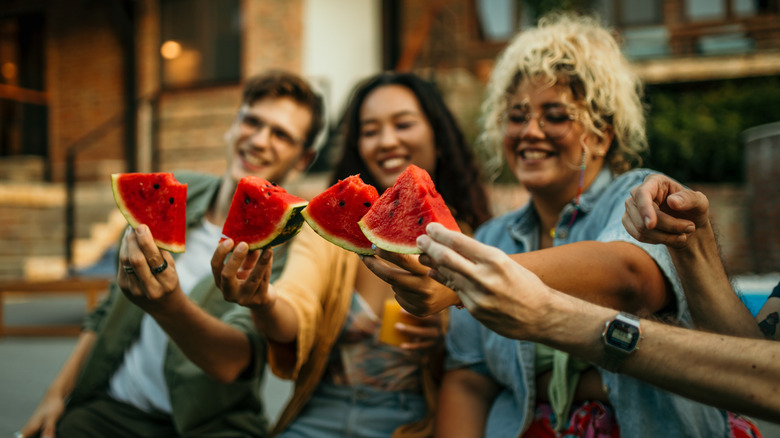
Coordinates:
(596, 420)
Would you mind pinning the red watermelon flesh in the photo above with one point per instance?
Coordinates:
(334, 213)
(403, 211)
(263, 214)
(154, 199)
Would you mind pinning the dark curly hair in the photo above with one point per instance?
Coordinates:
(456, 176)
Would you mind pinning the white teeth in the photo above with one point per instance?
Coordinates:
(534, 155)
(392, 163)
(253, 160)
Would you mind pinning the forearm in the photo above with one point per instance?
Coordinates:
(711, 298)
(619, 275)
(221, 350)
(277, 322)
(65, 381)
(732, 373)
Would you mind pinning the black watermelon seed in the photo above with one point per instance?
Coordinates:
(367, 204)
(391, 213)
(156, 186)
(247, 200)
(420, 221)
(395, 202)
(341, 203)
(170, 200)
(273, 183)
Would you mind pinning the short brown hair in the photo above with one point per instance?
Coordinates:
(278, 83)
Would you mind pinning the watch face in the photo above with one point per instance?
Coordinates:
(622, 335)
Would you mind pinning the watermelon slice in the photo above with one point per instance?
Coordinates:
(403, 211)
(263, 214)
(334, 213)
(154, 199)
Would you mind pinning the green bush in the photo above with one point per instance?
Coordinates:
(694, 129)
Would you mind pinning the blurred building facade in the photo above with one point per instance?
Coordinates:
(93, 87)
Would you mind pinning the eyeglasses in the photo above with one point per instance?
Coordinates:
(555, 121)
(251, 124)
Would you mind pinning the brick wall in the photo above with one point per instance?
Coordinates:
(84, 83)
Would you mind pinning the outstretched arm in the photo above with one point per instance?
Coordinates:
(221, 350)
(737, 374)
(613, 274)
(661, 210)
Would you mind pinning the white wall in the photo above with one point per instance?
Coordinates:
(341, 45)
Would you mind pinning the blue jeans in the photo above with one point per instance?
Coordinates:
(355, 411)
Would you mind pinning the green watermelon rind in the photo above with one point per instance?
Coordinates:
(289, 225)
(349, 246)
(123, 208)
(386, 244)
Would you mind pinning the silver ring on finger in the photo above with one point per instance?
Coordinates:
(159, 269)
(128, 269)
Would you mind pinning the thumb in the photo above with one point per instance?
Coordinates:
(688, 201)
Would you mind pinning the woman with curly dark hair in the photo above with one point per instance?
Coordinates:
(458, 181)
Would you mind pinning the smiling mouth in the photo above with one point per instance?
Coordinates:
(392, 163)
(534, 154)
(252, 160)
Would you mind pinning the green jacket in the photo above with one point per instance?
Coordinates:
(201, 406)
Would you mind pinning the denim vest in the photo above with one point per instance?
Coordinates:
(641, 410)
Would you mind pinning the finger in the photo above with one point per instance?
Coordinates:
(408, 262)
(424, 333)
(468, 248)
(260, 273)
(444, 256)
(218, 260)
(386, 272)
(250, 262)
(153, 255)
(123, 259)
(643, 199)
(229, 278)
(417, 345)
(693, 202)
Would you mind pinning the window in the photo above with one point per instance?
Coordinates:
(23, 110)
(200, 42)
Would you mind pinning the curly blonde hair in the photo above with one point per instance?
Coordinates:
(578, 52)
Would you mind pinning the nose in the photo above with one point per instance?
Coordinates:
(532, 129)
(388, 137)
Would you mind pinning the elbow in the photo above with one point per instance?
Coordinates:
(648, 291)
(225, 376)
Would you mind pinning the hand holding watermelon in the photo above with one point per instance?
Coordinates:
(243, 276)
(417, 293)
(146, 275)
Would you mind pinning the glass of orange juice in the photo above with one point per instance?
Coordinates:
(392, 315)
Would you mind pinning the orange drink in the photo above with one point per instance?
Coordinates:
(392, 315)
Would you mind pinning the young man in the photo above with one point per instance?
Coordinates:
(124, 377)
